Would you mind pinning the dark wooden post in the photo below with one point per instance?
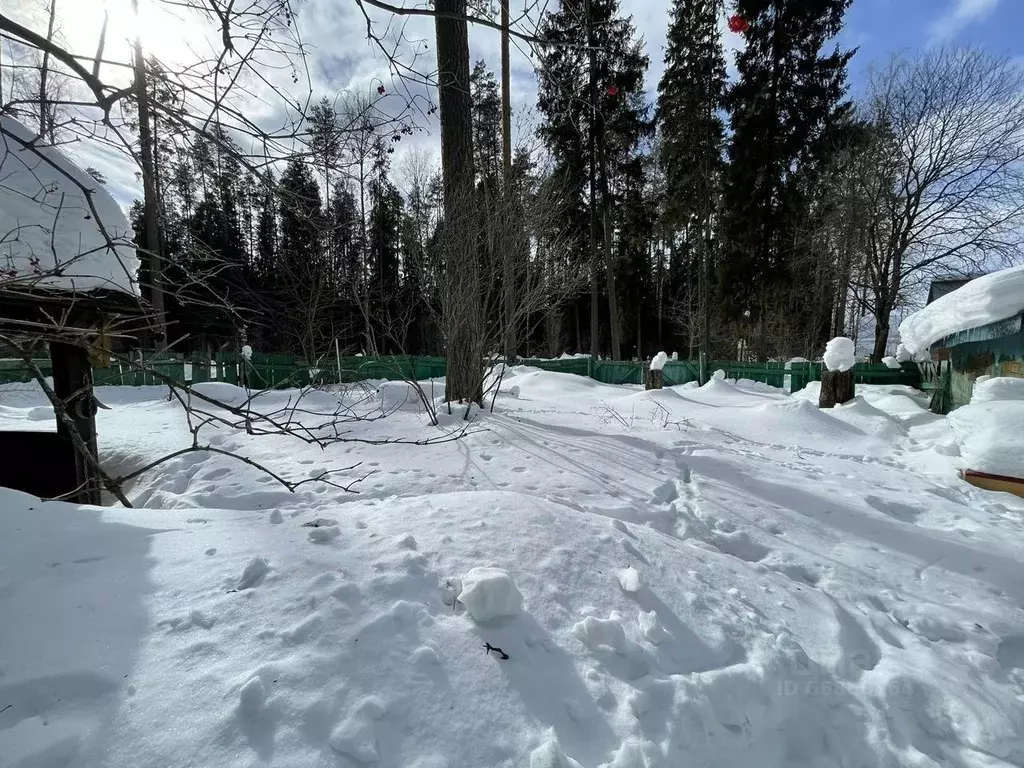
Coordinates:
(837, 387)
(72, 383)
(655, 379)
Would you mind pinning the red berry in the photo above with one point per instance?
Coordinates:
(613, 90)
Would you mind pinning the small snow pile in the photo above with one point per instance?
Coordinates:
(253, 573)
(988, 299)
(399, 396)
(550, 755)
(840, 354)
(490, 593)
(652, 628)
(658, 361)
(719, 375)
(250, 696)
(891, 362)
(629, 580)
(48, 225)
(598, 633)
(988, 430)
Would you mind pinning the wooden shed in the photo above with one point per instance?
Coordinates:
(68, 273)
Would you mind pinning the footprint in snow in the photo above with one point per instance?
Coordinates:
(356, 737)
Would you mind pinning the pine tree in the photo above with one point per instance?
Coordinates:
(486, 127)
(301, 292)
(325, 142)
(691, 131)
(385, 248)
(789, 98)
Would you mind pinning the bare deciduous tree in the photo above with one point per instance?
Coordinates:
(944, 174)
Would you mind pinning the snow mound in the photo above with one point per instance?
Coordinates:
(550, 755)
(988, 299)
(658, 361)
(253, 573)
(52, 232)
(598, 633)
(988, 432)
(489, 593)
(891, 363)
(400, 396)
(221, 392)
(873, 421)
(718, 375)
(993, 389)
(840, 354)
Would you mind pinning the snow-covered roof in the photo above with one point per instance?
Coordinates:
(54, 234)
(988, 299)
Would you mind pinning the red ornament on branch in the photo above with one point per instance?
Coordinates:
(738, 24)
(613, 90)
(381, 89)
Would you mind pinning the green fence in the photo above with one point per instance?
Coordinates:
(262, 371)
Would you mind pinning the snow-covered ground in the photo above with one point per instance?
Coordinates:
(718, 576)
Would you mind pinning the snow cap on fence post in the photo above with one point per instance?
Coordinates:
(840, 354)
(658, 361)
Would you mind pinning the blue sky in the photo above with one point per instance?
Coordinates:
(880, 28)
(343, 61)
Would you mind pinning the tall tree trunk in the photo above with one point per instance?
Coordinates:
(609, 262)
(45, 126)
(592, 150)
(151, 205)
(462, 310)
(510, 246)
(881, 336)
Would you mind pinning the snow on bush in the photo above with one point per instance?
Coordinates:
(891, 362)
(840, 354)
(47, 224)
(489, 593)
(988, 299)
(658, 361)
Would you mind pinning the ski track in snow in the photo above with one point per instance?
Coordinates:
(718, 576)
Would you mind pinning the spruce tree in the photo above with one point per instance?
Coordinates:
(691, 131)
(787, 101)
(590, 96)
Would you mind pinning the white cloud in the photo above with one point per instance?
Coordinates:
(962, 14)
